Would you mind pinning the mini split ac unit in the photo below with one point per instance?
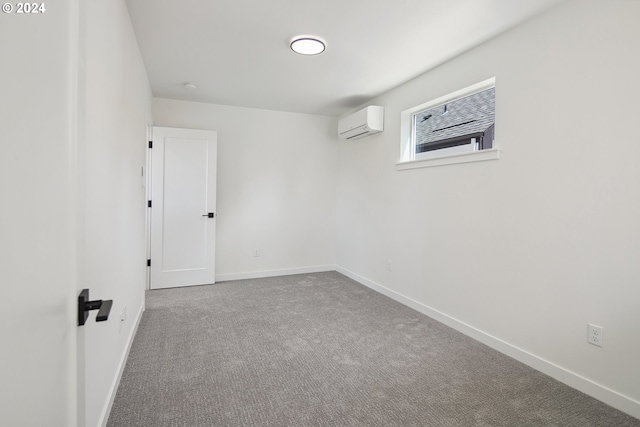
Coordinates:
(363, 123)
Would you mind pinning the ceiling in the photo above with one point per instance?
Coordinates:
(237, 51)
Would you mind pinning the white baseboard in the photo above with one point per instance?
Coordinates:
(273, 273)
(585, 385)
(104, 417)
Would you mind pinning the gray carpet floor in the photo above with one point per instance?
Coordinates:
(322, 350)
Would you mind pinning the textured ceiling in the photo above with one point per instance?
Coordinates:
(237, 52)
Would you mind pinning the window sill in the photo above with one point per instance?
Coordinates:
(474, 156)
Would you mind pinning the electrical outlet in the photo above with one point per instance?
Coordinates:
(123, 317)
(594, 335)
(256, 252)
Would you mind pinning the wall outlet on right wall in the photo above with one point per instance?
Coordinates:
(594, 335)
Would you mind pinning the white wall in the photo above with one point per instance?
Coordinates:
(37, 213)
(528, 249)
(276, 186)
(115, 104)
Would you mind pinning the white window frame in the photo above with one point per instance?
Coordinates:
(444, 156)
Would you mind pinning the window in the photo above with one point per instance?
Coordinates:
(454, 126)
(459, 126)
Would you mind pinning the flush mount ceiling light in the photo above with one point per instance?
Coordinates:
(306, 45)
(190, 86)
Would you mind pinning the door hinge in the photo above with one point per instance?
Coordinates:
(148, 263)
(148, 203)
(150, 144)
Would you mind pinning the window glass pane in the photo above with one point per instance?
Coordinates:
(462, 125)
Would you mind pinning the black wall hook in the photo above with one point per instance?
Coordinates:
(84, 306)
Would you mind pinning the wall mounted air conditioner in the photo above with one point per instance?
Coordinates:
(363, 123)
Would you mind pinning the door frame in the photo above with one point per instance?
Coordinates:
(147, 182)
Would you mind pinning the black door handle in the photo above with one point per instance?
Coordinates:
(84, 306)
(210, 215)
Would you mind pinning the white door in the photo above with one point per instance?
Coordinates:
(183, 206)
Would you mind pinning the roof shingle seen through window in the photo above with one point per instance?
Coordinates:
(466, 116)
